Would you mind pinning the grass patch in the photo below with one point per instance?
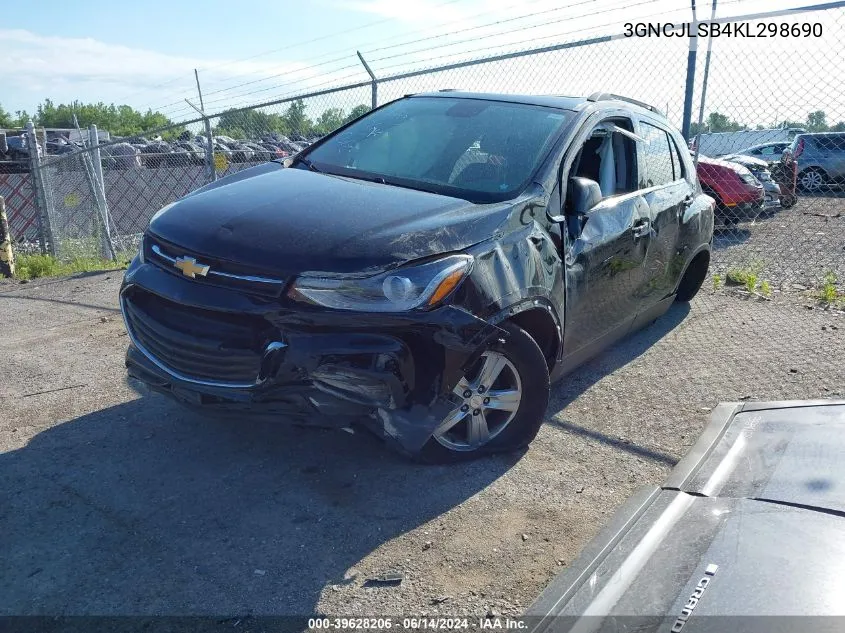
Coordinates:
(33, 266)
(828, 293)
(717, 281)
(749, 277)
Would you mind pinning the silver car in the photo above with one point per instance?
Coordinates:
(821, 159)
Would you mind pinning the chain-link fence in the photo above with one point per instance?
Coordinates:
(765, 118)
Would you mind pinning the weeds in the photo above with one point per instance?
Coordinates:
(33, 266)
(717, 281)
(749, 277)
(829, 294)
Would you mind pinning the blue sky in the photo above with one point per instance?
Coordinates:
(144, 53)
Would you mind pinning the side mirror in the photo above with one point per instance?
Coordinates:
(582, 195)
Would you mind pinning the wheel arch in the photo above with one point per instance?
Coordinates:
(539, 319)
(702, 251)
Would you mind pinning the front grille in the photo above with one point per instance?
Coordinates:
(197, 343)
(221, 273)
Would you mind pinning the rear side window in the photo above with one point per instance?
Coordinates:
(830, 142)
(658, 165)
(677, 161)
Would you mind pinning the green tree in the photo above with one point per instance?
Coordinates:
(118, 120)
(250, 124)
(296, 119)
(357, 111)
(839, 127)
(10, 121)
(5, 118)
(817, 121)
(329, 120)
(718, 122)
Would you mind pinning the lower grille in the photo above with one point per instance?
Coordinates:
(197, 344)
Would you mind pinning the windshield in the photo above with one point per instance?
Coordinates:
(479, 150)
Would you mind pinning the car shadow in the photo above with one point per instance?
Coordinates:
(145, 508)
(729, 236)
(581, 379)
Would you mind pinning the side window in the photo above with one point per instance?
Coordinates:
(767, 151)
(657, 164)
(609, 158)
(677, 162)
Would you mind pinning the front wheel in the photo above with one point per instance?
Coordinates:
(812, 179)
(499, 403)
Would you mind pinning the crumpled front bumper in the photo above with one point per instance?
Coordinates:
(395, 371)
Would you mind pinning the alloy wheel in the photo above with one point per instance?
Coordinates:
(488, 398)
(812, 180)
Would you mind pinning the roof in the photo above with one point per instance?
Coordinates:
(551, 101)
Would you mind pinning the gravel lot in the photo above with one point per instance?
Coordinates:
(116, 502)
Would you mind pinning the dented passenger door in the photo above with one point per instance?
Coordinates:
(605, 271)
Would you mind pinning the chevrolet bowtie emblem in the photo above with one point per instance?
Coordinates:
(190, 267)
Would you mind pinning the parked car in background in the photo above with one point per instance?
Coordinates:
(155, 154)
(444, 285)
(721, 143)
(760, 170)
(765, 151)
(259, 152)
(120, 156)
(821, 159)
(738, 194)
(196, 153)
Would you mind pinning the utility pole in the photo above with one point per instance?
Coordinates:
(691, 60)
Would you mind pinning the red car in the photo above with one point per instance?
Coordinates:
(738, 194)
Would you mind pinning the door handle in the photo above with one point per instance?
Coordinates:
(641, 228)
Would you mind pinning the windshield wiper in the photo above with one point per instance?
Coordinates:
(307, 163)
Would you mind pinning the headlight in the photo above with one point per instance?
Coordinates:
(421, 286)
(141, 250)
(749, 178)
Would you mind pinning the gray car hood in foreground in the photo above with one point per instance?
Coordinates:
(750, 523)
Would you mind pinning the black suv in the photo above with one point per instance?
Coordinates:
(426, 269)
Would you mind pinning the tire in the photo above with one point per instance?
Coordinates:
(693, 278)
(789, 201)
(722, 214)
(812, 179)
(527, 363)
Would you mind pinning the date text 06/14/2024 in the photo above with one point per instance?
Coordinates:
(417, 624)
(723, 29)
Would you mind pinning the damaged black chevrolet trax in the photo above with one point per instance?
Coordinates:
(426, 269)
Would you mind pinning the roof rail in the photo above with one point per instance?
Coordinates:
(448, 90)
(607, 96)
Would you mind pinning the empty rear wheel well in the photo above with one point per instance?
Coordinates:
(541, 326)
(701, 259)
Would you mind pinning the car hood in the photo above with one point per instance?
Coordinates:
(292, 221)
(746, 161)
(749, 523)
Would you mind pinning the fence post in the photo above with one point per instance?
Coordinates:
(45, 230)
(691, 60)
(210, 168)
(7, 257)
(704, 88)
(374, 81)
(99, 186)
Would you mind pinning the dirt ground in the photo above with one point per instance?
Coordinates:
(115, 502)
